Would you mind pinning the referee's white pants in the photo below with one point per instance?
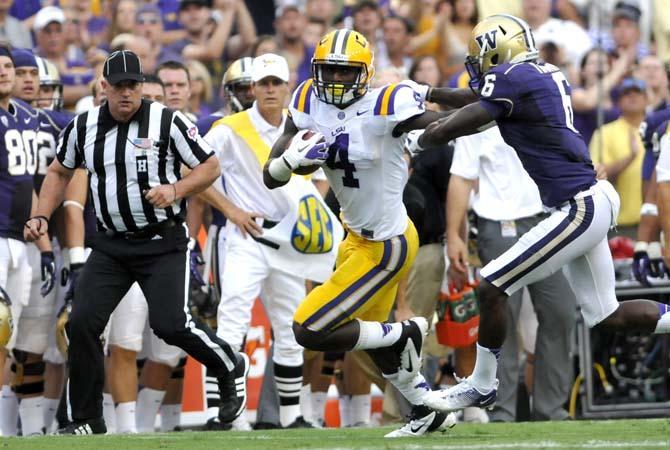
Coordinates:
(573, 238)
(15, 277)
(244, 274)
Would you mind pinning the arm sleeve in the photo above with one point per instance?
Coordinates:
(497, 93)
(67, 151)
(191, 147)
(465, 162)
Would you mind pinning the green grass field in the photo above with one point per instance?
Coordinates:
(614, 434)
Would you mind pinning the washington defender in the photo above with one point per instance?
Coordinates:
(530, 101)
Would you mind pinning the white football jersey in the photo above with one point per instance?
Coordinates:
(366, 168)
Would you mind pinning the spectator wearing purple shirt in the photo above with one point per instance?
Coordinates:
(289, 24)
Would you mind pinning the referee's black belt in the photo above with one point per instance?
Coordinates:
(145, 232)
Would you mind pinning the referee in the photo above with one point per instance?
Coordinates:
(134, 149)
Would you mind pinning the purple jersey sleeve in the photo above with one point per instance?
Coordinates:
(497, 92)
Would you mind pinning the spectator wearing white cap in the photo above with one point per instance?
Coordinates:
(567, 36)
(48, 28)
(242, 142)
(11, 29)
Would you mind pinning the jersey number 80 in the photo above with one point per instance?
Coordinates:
(21, 152)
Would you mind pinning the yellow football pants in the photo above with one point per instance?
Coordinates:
(364, 283)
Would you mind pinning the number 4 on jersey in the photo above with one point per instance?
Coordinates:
(340, 150)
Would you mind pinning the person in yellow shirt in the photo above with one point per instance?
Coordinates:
(618, 146)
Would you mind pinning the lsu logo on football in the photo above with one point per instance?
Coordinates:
(313, 231)
(487, 40)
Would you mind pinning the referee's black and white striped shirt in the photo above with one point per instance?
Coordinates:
(126, 159)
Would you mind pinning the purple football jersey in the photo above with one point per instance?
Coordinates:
(51, 123)
(531, 105)
(649, 128)
(18, 162)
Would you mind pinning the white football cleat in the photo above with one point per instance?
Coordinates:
(460, 396)
(423, 421)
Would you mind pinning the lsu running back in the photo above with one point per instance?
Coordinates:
(364, 160)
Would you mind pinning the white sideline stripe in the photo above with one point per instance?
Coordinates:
(419, 445)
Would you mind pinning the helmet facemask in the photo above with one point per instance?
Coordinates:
(351, 85)
(239, 95)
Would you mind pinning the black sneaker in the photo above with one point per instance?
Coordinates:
(233, 390)
(300, 422)
(265, 426)
(90, 426)
(214, 424)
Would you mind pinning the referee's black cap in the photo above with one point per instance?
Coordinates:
(121, 66)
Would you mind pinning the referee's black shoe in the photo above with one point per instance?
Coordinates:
(233, 390)
(90, 426)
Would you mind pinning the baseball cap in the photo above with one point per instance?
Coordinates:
(269, 65)
(47, 15)
(121, 66)
(628, 9)
(23, 58)
(184, 3)
(627, 85)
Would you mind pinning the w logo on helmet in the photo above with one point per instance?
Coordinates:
(487, 40)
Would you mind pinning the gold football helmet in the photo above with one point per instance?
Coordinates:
(342, 67)
(62, 340)
(6, 323)
(237, 84)
(498, 39)
(49, 76)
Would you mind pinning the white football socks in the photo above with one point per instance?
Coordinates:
(306, 402)
(483, 377)
(125, 418)
(148, 403)
(318, 400)
(32, 417)
(9, 412)
(345, 411)
(108, 412)
(170, 417)
(377, 335)
(50, 408)
(360, 409)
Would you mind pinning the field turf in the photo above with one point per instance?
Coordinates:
(614, 434)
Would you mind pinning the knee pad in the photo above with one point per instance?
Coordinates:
(21, 369)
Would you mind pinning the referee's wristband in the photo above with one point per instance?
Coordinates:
(649, 209)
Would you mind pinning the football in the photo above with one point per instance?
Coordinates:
(308, 169)
(305, 137)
